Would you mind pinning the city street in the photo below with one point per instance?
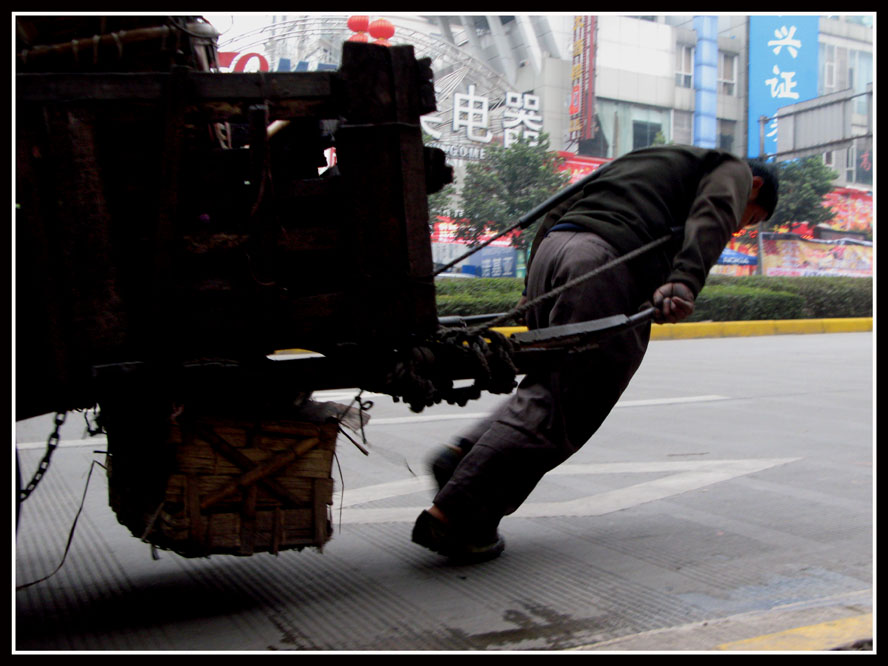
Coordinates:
(729, 496)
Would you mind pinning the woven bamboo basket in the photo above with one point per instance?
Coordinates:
(239, 487)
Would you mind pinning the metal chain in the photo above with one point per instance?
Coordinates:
(51, 445)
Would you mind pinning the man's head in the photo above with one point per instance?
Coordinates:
(764, 193)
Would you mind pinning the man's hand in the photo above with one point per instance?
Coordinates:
(674, 301)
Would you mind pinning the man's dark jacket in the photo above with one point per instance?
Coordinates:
(640, 196)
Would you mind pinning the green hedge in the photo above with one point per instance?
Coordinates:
(725, 298)
(824, 297)
(473, 296)
(734, 302)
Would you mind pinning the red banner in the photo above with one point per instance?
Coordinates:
(580, 166)
(444, 231)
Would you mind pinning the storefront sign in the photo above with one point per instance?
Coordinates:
(783, 53)
(463, 131)
(469, 128)
(580, 166)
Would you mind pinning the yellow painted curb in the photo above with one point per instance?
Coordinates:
(720, 329)
(726, 329)
(815, 637)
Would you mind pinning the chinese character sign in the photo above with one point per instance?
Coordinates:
(476, 121)
(471, 111)
(521, 118)
(783, 52)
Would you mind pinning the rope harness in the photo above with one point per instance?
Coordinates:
(421, 377)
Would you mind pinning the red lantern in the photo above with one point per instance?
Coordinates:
(358, 23)
(359, 37)
(382, 29)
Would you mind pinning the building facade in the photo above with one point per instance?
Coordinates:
(777, 86)
(602, 85)
(609, 84)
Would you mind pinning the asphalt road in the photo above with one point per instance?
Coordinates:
(726, 504)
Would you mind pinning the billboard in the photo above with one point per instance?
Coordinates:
(783, 53)
(492, 262)
(791, 255)
(853, 210)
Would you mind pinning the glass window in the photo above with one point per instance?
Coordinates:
(727, 73)
(727, 132)
(863, 163)
(860, 20)
(827, 68)
(644, 133)
(862, 74)
(684, 66)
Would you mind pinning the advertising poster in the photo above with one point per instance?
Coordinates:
(853, 209)
(790, 255)
(499, 259)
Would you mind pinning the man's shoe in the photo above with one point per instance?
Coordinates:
(439, 537)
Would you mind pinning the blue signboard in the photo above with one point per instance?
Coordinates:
(492, 262)
(783, 52)
(732, 257)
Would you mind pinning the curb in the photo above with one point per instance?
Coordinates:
(847, 634)
(725, 329)
(721, 329)
(840, 623)
(834, 635)
(729, 329)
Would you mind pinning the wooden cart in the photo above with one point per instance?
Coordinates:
(173, 229)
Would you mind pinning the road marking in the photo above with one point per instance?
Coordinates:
(349, 395)
(321, 396)
(671, 401)
(680, 477)
(814, 637)
(100, 440)
(425, 418)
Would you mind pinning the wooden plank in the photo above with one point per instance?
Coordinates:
(192, 509)
(319, 519)
(206, 87)
(242, 462)
(269, 467)
(277, 530)
(248, 521)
